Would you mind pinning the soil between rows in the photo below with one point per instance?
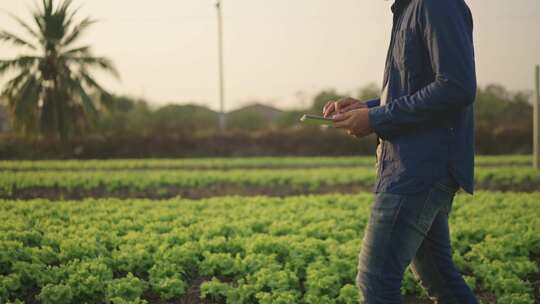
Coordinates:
(226, 168)
(534, 278)
(224, 189)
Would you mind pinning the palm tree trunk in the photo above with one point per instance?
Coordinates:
(60, 107)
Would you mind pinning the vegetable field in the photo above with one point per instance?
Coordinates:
(208, 183)
(247, 231)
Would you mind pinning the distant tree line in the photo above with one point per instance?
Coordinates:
(130, 127)
(134, 116)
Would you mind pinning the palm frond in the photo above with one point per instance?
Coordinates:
(83, 50)
(47, 7)
(24, 62)
(61, 13)
(92, 62)
(86, 101)
(28, 98)
(106, 100)
(67, 12)
(15, 40)
(70, 18)
(77, 31)
(91, 82)
(12, 86)
(64, 7)
(25, 25)
(37, 15)
(52, 19)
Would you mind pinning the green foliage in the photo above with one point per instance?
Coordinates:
(124, 115)
(218, 264)
(369, 92)
(502, 116)
(215, 290)
(312, 179)
(323, 97)
(56, 294)
(257, 250)
(322, 282)
(190, 118)
(348, 294)
(365, 93)
(134, 258)
(125, 290)
(496, 109)
(87, 279)
(167, 279)
(183, 118)
(289, 118)
(253, 117)
(9, 285)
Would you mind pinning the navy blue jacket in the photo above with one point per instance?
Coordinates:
(426, 127)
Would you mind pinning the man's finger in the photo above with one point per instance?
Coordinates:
(354, 106)
(342, 104)
(326, 105)
(328, 108)
(344, 124)
(329, 112)
(337, 106)
(349, 107)
(342, 116)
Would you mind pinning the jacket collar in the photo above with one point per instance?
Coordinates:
(399, 5)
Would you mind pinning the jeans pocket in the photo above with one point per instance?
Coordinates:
(386, 207)
(437, 200)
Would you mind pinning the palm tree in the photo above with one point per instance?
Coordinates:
(52, 84)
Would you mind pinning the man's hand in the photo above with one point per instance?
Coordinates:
(356, 122)
(342, 105)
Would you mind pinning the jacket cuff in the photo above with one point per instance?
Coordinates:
(378, 117)
(373, 103)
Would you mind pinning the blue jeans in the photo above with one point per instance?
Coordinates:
(411, 229)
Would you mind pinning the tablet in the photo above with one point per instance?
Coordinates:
(316, 120)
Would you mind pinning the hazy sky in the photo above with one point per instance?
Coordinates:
(278, 51)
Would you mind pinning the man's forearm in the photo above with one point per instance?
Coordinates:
(430, 104)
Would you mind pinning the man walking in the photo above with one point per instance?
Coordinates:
(424, 123)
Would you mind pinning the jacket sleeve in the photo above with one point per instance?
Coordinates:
(447, 33)
(373, 102)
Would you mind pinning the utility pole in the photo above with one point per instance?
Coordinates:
(536, 119)
(222, 121)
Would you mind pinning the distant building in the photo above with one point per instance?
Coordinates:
(255, 115)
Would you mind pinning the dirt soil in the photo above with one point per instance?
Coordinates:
(165, 192)
(534, 278)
